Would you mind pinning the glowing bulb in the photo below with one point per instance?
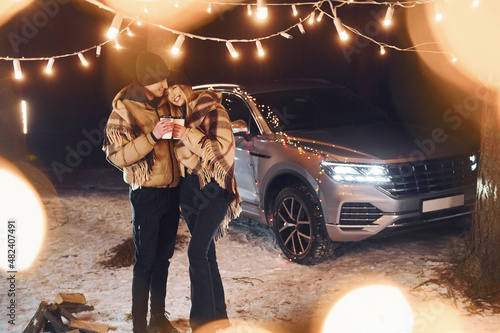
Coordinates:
(320, 16)
(382, 50)
(50, 63)
(249, 9)
(177, 45)
(294, 10)
(340, 29)
(439, 14)
(17, 69)
(98, 51)
(82, 59)
(209, 8)
(388, 16)
(475, 3)
(301, 28)
(129, 32)
(260, 50)
(114, 28)
(231, 49)
(24, 112)
(261, 9)
(117, 44)
(311, 18)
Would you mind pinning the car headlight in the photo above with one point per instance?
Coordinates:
(356, 173)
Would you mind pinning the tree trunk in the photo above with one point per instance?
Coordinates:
(481, 263)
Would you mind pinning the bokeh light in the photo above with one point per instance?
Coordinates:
(371, 309)
(19, 202)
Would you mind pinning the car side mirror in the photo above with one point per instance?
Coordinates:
(240, 128)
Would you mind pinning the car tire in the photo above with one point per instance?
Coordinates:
(303, 242)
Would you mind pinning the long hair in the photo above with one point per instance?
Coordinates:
(189, 96)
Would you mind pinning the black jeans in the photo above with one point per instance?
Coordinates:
(155, 219)
(203, 211)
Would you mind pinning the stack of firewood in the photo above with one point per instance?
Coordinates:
(59, 316)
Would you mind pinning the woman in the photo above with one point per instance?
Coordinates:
(208, 195)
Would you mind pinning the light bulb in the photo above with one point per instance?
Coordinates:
(249, 9)
(231, 49)
(209, 8)
(388, 16)
(301, 28)
(50, 63)
(114, 28)
(261, 9)
(98, 51)
(340, 29)
(382, 50)
(294, 10)
(320, 16)
(17, 69)
(311, 18)
(177, 45)
(260, 50)
(82, 59)
(475, 3)
(439, 14)
(286, 35)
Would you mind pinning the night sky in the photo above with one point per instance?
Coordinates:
(76, 100)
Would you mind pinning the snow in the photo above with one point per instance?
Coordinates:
(92, 215)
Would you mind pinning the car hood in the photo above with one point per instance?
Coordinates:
(380, 141)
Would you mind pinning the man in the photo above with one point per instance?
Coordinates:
(133, 143)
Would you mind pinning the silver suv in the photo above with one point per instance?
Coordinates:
(321, 166)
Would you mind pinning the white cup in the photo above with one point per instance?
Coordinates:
(167, 135)
(179, 121)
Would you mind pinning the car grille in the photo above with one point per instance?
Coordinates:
(355, 215)
(421, 177)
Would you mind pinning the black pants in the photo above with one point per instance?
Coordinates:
(155, 219)
(203, 211)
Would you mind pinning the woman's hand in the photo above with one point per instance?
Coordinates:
(178, 131)
(162, 127)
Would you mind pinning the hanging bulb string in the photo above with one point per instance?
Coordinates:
(72, 54)
(316, 6)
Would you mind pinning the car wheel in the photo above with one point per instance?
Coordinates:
(298, 226)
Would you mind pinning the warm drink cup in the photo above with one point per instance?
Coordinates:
(167, 135)
(179, 121)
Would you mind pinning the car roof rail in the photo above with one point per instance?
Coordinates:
(217, 85)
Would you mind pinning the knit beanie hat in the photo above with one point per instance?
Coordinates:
(176, 77)
(150, 68)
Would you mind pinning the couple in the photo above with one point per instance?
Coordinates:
(195, 172)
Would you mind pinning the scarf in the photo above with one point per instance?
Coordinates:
(216, 161)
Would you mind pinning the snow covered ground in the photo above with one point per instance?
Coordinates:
(90, 217)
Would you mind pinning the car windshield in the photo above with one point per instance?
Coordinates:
(317, 108)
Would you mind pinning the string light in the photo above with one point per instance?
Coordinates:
(209, 8)
(320, 16)
(388, 16)
(24, 113)
(117, 45)
(48, 68)
(115, 26)
(231, 49)
(82, 59)
(439, 14)
(382, 50)
(301, 28)
(129, 32)
(18, 74)
(261, 9)
(260, 50)
(98, 51)
(178, 44)
(340, 29)
(311, 18)
(249, 9)
(294, 10)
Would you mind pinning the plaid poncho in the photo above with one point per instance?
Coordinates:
(207, 149)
